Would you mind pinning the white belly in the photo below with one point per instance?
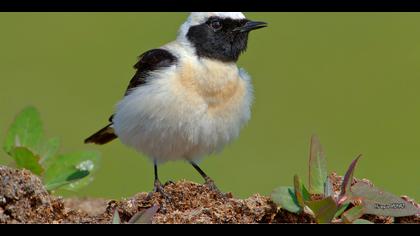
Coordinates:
(172, 117)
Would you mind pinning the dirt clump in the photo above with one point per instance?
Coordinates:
(23, 199)
(195, 203)
(91, 206)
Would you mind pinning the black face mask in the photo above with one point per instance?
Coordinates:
(222, 39)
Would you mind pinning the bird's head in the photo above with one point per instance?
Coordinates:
(221, 36)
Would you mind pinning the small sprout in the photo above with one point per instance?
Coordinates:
(329, 206)
(25, 144)
(145, 216)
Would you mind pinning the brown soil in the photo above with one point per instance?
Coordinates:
(23, 199)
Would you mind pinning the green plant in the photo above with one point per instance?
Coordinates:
(26, 145)
(141, 217)
(346, 205)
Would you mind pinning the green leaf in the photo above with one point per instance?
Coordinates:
(116, 218)
(380, 203)
(362, 221)
(74, 186)
(49, 151)
(323, 209)
(145, 216)
(341, 209)
(317, 167)
(305, 193)
(285, 198)
(74, 177)
(298, 191)
(70, 169)
(353, 214)
(26, 159)
(25, 131)
(348, 178)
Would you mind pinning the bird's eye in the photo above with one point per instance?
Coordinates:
(216, 25)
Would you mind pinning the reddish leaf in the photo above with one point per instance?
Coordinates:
(145, 216)
(381, 203)
(348, 178)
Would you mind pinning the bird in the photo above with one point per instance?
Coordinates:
(188, 98)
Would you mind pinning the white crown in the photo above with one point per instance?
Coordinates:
(197, 18)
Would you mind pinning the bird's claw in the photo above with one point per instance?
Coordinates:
(212, 186)
(158, 188)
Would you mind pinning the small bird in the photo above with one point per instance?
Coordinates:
(188, 98)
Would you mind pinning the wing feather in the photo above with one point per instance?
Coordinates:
(149, 61)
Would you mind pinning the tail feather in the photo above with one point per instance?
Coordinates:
(103, 136)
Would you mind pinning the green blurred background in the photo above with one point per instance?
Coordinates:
(351, 78)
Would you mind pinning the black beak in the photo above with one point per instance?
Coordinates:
(251, 25)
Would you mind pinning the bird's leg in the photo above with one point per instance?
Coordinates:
(157, 186)
(208, 181)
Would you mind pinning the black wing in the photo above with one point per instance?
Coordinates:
(149, 61)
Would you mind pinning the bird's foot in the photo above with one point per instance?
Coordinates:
(159, 188)
(212, 186)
